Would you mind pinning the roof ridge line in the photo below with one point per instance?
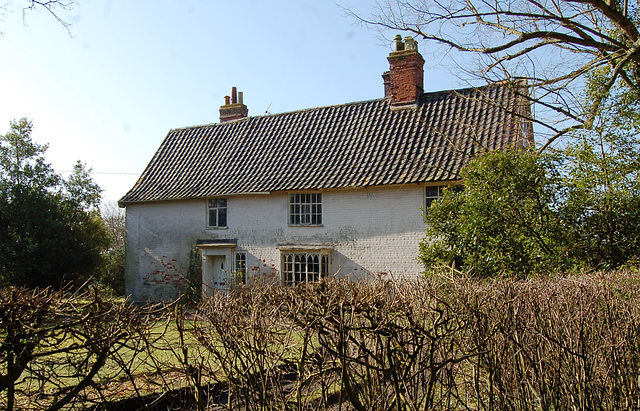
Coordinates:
(352, 103)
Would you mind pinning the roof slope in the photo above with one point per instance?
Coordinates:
(357, 144)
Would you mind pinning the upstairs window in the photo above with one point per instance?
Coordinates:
(434, 193)
(300, 268)
(305, 209)
(217, 213)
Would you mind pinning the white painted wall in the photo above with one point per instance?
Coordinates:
(373, 231)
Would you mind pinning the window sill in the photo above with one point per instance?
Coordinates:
(217, 228)
(305, 225)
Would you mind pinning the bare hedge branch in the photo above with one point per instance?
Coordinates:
(549, 343)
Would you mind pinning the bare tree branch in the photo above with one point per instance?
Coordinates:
(53, 7)
(556, 45)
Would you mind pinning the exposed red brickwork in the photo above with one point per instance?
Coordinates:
(386, 79)
(404, 82)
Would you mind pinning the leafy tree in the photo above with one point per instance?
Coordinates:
(505, 220)
(603, 177)
(112, 272)
(81, 189)
(22, 163)
(49, 232)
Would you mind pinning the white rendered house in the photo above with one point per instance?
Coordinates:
(333, 191)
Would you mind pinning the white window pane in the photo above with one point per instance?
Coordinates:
(304, 267)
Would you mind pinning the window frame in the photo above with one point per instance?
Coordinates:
(217, 209)
(429, 199)
(240, 267)
(295, 267)
(309, 209)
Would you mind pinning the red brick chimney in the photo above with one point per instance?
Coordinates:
(234, 109)
(404, 81)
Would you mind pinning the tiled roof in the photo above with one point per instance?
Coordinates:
(359, 144)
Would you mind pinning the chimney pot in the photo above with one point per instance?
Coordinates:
(410, 43)
(240, 95)
(397, 42)
(234, 95)
(227, 99)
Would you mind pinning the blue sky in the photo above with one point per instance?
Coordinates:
(134, 69)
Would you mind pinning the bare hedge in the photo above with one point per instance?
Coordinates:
(548, 343)
(55, 346)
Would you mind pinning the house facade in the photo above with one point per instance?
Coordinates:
(333, 191)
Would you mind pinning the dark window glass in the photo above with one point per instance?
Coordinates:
(217, 212)
(305, 209)
(304, 267)
(241, 268)
(222, 217)
(434, 193)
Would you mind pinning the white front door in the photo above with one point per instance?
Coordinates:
(219, 272)
(214, 274)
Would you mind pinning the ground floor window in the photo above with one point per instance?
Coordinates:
(240, 267)
(304, 267)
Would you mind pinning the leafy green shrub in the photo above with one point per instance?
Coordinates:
(527, 213)
(112, 272)
(504, 222)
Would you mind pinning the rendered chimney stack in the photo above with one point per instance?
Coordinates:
(233, 107)
(404, 82)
